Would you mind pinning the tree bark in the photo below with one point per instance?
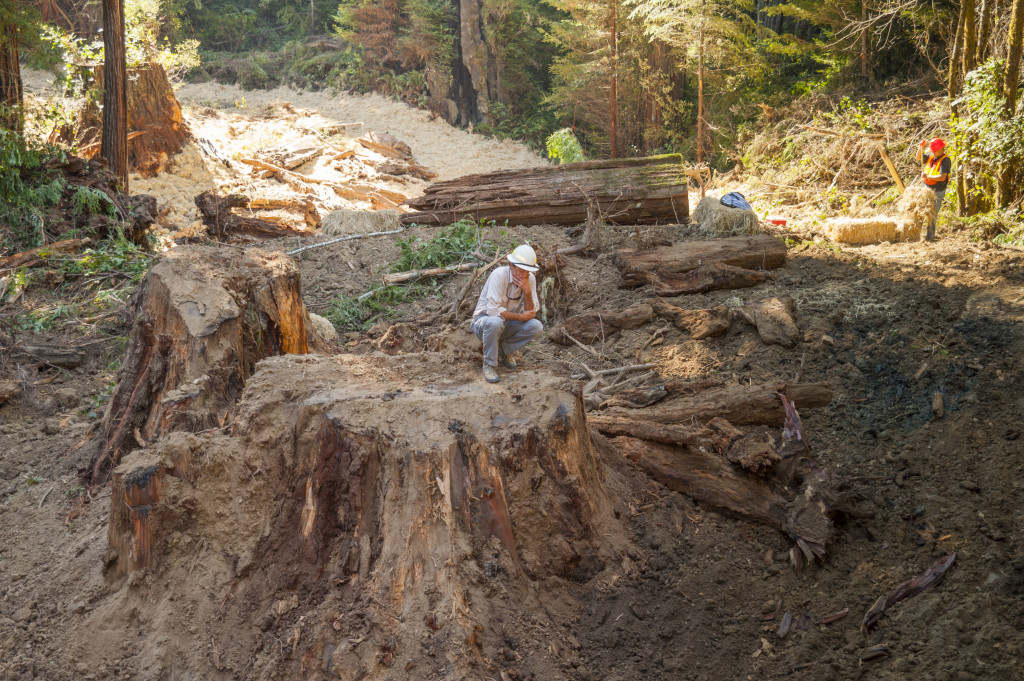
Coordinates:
(712, 277)
(215, 212)
(115, 93)
(748, 252)
(204, 317)
(11, 95)
(611, 97)
(700, 87)
(984, 31)
(738, 404)
(1007, 191)
(954, 77)
(700, 324)
(626, 191)
(970, 46)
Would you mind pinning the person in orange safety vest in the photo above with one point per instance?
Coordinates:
(935, 173)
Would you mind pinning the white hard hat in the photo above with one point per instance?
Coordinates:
(524, 257)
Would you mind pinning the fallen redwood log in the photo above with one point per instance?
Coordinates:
(204, 317)
(626, 191)
(737, 404)
(709, 480)
(714, 276)
(595, 325)
(761, 251)
(700, 324)
(36, 255)
(222, 223)
(707, 437)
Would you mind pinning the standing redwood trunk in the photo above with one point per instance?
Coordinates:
(970, 45)
(611, 103)
(984, 30)
(11, 117)
(115, 93)
(700, 89)
(1015, 42)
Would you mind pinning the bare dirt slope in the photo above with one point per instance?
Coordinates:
(685, 593)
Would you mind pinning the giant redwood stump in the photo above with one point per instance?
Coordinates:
(203, 318)
(368, 517)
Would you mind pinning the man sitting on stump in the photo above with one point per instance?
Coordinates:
(504, 318)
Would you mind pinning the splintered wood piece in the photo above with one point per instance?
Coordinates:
(596, 325)
(755, 452)
(671, 434)
(711, 277)
(700, 324)
(773, 319)
(412, 275)
(761, 251)
(386, 145)
(738, 404)
(625, 191)
(908, 589)
(218, 217)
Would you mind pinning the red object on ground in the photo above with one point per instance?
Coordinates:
(781, 222)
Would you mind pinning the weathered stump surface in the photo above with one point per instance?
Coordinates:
(628, 190)
(204, 317)
(360, 507)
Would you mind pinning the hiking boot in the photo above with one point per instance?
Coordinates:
(507, 361)
(490, 374)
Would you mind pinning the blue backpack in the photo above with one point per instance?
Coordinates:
(735, 200)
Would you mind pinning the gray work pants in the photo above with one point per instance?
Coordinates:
(939, 195)
(511, 335)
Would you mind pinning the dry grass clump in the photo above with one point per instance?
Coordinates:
(323, 328)
(344, 222)
(917, 210)
(917, 205)
(716, 219)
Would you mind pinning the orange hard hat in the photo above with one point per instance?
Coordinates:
(937, 145)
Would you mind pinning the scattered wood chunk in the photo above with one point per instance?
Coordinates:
(834, 617)
(53, 355)
(9, 389)
(700, 324)
(222, 223)
(412, 275)
(755, 452)
(748, 252)
(386, 145)
(596, 325)
(637, 398)
(406, 168)
(699, 437)
(938, 405)
(773, 319)
(908, 589)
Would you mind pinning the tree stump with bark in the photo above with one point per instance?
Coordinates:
(382, 499)
(203, 318)
(152, 110)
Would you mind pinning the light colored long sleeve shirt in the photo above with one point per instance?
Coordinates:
(500, 294)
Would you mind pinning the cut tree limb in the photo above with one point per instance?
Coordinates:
(700, 324)
(37, 255)
(412, 275)
(760, 251)
(738, 404)
(626, 191)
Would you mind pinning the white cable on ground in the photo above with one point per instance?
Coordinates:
(344, 238)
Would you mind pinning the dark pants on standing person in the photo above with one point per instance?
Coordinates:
(939, 195)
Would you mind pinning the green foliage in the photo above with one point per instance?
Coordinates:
(349, 313)
(26, 189)
(982, 134)
(450, 246)
(564, 147)
(89, 200)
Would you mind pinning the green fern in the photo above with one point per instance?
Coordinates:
(564, 147)
(88, 200)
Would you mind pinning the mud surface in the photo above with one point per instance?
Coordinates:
(677, 592)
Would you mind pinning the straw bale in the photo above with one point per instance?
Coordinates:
(917, 205)
(323, 328)
(345, 222)
(861, 230)
(716, 219)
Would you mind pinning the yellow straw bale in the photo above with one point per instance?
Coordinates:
(918, 206)
(861, 230)
(716, 219)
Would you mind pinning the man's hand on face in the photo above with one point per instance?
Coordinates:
(521, 278)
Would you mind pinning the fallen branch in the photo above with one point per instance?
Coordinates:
(587, 348)
(606, 372)
(908, 589)
(344, 238)
(35, 255)
(584, 244)
(412, 275)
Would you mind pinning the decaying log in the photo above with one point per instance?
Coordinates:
(39, 254)
(153, 111)
(53, 355)
(222, 223)
(308, 209)
(710, 481)
(627, 191)
(700, 324)
(773, 319)
(711, 277)
(754, 451)
(700, 437)
(738, 404)
(362, 479)
(204, 317)
(761, 251)
(596, 325)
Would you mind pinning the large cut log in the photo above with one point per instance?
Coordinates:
(222, 223)
(738, 404)
(153, 112)
(700, 324)
(626, 191)
(596, 325)
(711, 277)
(204, 317)
(359, 506)
(749, 252)
(716, 436)
(709, 480)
